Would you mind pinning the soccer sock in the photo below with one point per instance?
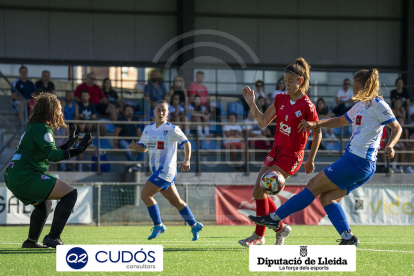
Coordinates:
(38, 219)
(337, 217)
(62, 212)
(262, 208)
(206, 130)
(294, 204)
(272, 209)
(155, 215)
(188, 216)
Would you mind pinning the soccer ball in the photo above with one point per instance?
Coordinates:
(272, 182)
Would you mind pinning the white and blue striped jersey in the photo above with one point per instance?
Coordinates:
(368, 120)
(161, 143)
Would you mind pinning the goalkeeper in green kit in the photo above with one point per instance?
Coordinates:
(25, 176)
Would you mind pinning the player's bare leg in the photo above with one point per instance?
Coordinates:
(147, 195)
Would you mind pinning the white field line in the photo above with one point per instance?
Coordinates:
(392, 251)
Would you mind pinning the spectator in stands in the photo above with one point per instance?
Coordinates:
(401, 93)
(261, 104)
(398, 109)
(23, 86)
(155, 90)
(344, 99)
(410, 147)
(323, 114)
(400, 146)
(253, 130)
(259, 92)
(87, 112)
(70, 107)
(234, 138)
(44, 84)
(198, 89)
(178, 88)
(280, 88)
(177, 114)
(113, 101)
(128, 130)
(199, 113)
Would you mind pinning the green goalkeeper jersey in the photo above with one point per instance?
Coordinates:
(36, 150)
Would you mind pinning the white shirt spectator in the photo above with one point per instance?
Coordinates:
(253, 126)
(345, 96)
(231, 128)
(275, 92)
(262, 94)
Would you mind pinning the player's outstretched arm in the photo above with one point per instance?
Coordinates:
(137, 147)
(185, 165)
(396, 131)
(331, 123)
(262, 119)
(309, 164)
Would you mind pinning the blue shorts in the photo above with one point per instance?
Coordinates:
(350, 171)
(157, 181)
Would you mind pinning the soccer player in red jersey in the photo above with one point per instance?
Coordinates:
(287, 153)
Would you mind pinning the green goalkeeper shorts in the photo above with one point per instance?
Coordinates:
(29, 187)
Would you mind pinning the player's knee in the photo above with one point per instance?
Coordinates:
(145, 196)
(312, 186)
(176, 202)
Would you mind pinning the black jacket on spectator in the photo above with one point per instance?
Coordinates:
(128, 129)
(49, 88)
(404, 96)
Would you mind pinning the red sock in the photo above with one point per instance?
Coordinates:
(262, 208)
(272, 209)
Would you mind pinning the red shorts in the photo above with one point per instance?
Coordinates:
(289, 161)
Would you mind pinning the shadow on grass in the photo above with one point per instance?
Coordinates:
(202, 249)
(27, 251)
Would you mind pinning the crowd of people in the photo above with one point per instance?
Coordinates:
(192, 104)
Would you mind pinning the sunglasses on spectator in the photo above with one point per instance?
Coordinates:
(347, 83)
(91, 78)
(259, 85)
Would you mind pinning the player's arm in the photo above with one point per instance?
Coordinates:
(262, 119)
(309, 164)
(138, 147)
(396, 131)
(185, 165)
(331, 123)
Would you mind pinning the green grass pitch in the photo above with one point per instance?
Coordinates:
(384, 250)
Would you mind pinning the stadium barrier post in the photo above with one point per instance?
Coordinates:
(98, 217)
(198, 167)
(246, 152)
(137, 194)
(98, 158)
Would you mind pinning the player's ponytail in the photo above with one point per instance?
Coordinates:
(302, 69)
(369, 79)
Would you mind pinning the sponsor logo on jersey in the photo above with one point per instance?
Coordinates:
(286, 118)
(298, 113)
(48, 137)
(285, 129)
(358, 120)
(270, 158)
(165, 132)
(160, 145)
(45, 176)
(329, 169)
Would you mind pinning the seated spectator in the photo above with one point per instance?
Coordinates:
(155, 90)
(259, 92)
(24, 86)
(234, 139)
(198, 89)
(398, 109)
(344, 99)
(401, 93)
(70, 107)
(400, 146)
(178, 88)
(323, 114)
(177, 114)
(44, 84)
(87, 112)
(253, 129)
(261, 104)
(128, 130)
(199, 113)
(280, 88)
(114, 102)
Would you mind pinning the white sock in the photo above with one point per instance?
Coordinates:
(347, 235)
(159, 225)
(206, 130)
(194, 225)
(200, 131)
(394, 164)
(274, 216)
(187, 132)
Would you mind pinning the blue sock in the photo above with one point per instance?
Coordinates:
(188, 216)
(337, 216)
(154, 213)
(295, 204)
